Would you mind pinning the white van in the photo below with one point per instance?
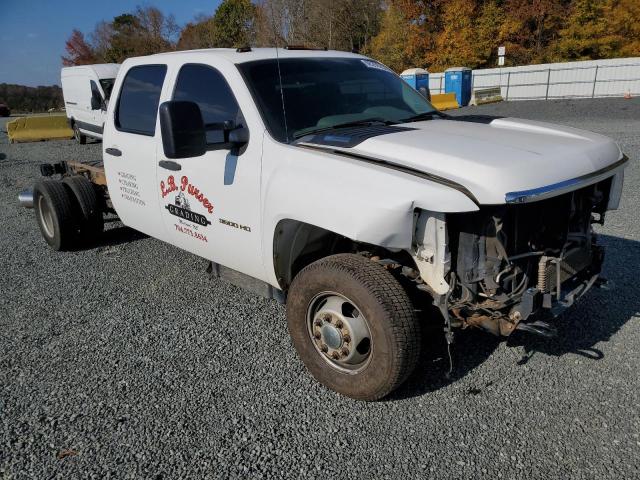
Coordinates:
(86, 91)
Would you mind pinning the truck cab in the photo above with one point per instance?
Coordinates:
(323, 180)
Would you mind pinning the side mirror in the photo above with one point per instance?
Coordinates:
(232, 137)
(239, 137)
(182, 129)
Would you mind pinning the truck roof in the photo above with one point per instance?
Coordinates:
(235, 56)
(101, 70)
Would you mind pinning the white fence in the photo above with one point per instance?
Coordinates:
(588, 79)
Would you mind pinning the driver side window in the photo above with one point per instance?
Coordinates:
(207, 87)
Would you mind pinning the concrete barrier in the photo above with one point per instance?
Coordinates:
(444, 101)
(486, 95)
(37, 128)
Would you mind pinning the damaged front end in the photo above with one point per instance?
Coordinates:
(506, 267)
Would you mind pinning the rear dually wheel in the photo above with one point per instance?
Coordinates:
(56, 213)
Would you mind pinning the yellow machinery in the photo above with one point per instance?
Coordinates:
(36, 128)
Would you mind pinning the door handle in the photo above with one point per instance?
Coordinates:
(169, 165)
(114, 152)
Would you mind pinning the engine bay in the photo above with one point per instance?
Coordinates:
(509, 262)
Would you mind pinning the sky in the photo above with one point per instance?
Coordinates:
(33, 32)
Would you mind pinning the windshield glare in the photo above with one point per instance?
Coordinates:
(322, 92)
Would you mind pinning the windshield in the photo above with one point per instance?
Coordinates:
(319, 93)
(107, 86)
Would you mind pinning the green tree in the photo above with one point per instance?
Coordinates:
(125, 38)
(234, 23)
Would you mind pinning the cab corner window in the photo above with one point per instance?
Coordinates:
(207, 87)
(137, 107)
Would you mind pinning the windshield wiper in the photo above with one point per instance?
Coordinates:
(355, 123)
(423, 116)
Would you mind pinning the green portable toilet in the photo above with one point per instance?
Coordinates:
(418, 78)
(458, 80)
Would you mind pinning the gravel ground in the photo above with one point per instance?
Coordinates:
(125, 361)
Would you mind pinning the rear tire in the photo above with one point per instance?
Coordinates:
(92, 221)
(79, 136)
(333, 298)
(57, 214)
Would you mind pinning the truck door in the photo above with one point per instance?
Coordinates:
(129, 149)
(211, 204)
(97, 114)
(82, 105)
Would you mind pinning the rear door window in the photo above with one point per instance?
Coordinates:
(137, 107)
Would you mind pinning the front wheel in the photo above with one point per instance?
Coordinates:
(353, 326)
(78, 135)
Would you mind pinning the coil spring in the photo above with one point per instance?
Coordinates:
(542, 274)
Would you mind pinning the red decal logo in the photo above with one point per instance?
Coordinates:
(187, 187)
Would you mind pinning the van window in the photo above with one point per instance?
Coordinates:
(94, 90)
(137, 107)
(107, 86)
(207, 87)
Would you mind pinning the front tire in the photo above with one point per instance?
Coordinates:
(353, 326)
(78, 135)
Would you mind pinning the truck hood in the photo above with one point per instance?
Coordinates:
(493, 157)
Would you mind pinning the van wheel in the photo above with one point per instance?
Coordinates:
(92, 220)
(56, 213)
(80, 138)
(353, 326)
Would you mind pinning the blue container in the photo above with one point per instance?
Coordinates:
(418, 78)
(458, 80)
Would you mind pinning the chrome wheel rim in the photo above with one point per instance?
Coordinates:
(46, 216)
(339, 332)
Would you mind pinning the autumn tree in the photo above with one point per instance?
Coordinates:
(530, 27)
(488, 32)
(198, 34)
(455, 44)
(334, 24)
(389, 46)
(624, 22)
(78, 50)
(401, 33)
(143, 32)
(585, 34)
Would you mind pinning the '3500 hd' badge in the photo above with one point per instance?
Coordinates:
(181, 207)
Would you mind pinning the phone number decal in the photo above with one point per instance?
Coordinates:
(191, 233)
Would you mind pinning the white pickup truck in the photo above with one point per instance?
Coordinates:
(320, 178)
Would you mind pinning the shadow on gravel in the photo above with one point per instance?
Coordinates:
(119, 235)
(595, 319)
